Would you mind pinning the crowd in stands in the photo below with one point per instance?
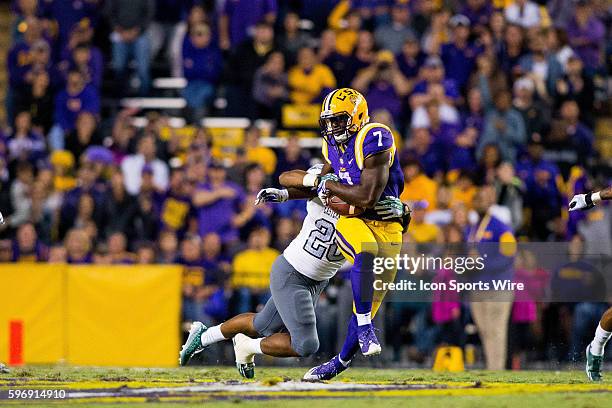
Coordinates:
(499, 95)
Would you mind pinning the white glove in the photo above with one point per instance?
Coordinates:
(272, 195)
(581, 202)
(323, 192)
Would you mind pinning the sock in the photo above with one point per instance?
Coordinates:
(351, 343)
(599, 341)
(362, 278)
(253, 346)
(344, 363)
(364, 319)
(212, 335)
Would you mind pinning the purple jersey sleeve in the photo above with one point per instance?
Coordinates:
(377, 140)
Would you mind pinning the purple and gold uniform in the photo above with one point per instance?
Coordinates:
(367, 232)
(349, 139)
(348, 161)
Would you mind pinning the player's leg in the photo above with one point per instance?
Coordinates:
(595, 349)
(294, 297)
(200, 336)
(358, 244)
(389, 238)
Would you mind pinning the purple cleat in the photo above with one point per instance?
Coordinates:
(326, 371)
(368, 343)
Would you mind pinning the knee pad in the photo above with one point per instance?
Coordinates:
(306, 347)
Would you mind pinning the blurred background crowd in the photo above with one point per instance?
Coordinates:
(507, 97)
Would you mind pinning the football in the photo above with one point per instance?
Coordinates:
(342, 208)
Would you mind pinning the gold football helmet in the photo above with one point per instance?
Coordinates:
(343, 113)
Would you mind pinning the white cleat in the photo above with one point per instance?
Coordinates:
(245, 360)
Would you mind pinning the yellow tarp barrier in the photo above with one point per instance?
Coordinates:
(93, 315)
(33, 295)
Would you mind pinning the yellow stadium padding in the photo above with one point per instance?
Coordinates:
(93, 314)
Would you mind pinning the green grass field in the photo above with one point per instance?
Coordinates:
(280, 387)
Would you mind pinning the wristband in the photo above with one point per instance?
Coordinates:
(310, 180)
(283, 194)
(596, 197)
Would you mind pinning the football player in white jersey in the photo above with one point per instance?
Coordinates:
(603, 333)
(297, 279)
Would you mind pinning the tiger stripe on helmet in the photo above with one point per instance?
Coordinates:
(328, 100)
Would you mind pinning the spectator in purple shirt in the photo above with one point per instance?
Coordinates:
(23, 10)
(202, 63)
(420, 147)
(87, 60)
(76, 98)
(67, 14)
(19, 64)
(586, 35)
(217, 203)
(580, 134)
(239, 17)
(291, 157)
(433, 74)
(411, 58)
(459, 56)
(384, 84)
(19, 60)
(478, 11)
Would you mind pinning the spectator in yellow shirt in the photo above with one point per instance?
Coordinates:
(420, 231)
(256, 153)
(251, 271)
(346, 22)
(417, 185)
(309, 80)
(463, 190)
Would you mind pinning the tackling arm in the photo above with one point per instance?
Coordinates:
(373, 181)
(295, 178)
(299, 184)
(589, 200)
